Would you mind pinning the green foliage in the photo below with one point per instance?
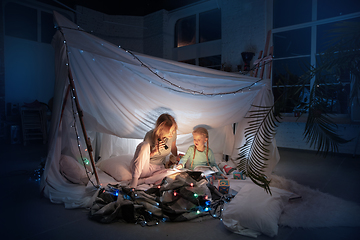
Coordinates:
(254, 153)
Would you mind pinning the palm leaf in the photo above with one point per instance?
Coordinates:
(258, 136)
(320, 130)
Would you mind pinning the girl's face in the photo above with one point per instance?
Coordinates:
(199, 141)
(171, 133)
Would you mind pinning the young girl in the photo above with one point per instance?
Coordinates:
(199, 153)
(150, 154)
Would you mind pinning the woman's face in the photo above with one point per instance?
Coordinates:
(199, 141)
(171, 133)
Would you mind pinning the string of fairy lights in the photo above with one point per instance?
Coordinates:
(178, 88)
(84, 160)
(202, 202)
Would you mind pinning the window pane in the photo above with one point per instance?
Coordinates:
(334, 8)
(47, 27)
(328, 34)
(335, 86)
(210, 25)
(286, 73)
(288, 13)
(185, 29)
(291, 69)
(292, 43)
(189, 61)
(20, 21)
(211, 62)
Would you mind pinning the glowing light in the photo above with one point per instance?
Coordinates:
(191, 184)
(196, 195)
(198, 211)
(175, 193)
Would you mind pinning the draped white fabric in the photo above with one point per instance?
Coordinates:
(121, 96)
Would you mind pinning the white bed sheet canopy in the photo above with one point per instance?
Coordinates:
(122, 93)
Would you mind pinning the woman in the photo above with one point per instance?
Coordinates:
(150, 154)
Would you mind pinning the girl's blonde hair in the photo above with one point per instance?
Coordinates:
(205, 133)
(163, 125)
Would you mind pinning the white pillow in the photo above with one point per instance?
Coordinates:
(118, 167)
(72, 170)
(253, 211)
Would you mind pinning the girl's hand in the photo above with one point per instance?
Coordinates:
(180, 166)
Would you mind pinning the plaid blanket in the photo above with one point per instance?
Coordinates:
(181, 196)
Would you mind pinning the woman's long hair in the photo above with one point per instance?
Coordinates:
(163, 125)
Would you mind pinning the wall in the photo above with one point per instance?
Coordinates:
(154, 37)
(124, 31)
(243, 29)
(27, 71)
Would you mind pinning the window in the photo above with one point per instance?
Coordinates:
(213, 62)
(185, 31)
(47, 27)
(292, 43)
(210, 25)
(286, 13)
(20, 21)
(209, 28)
(190, 34)
(301, 31)
(334, 8)
(189, 61)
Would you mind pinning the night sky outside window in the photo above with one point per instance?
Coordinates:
(292, 43)
(47, 27)
(20, 21)
(210, 25)
(286, 13)
(335, 8)
(185, 31)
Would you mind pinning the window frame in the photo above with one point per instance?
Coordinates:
(313, 24)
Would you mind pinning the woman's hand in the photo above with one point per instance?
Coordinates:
(180, 166)
(160, 146)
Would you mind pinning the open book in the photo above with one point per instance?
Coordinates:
(207, 170)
